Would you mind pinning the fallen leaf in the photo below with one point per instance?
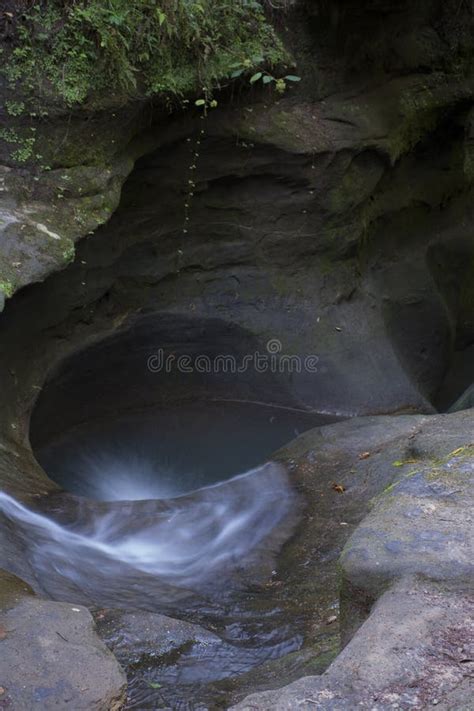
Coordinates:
(331, 619)
(3, 632)
(154, 685)
(340, 488)
(364, 455)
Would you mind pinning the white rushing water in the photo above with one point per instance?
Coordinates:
(183, 542)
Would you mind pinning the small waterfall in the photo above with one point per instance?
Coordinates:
(196, 542)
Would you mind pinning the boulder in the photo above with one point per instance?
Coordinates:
(51, 656)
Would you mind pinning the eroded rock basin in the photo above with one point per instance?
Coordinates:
(357, 251)
(218, 578)
(255, 623)
(218, 622)
(193, 557)
(239, 617)
(184, 580)
(274, 616)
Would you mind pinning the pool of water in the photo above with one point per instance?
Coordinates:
(177, 510)
(206, 557)
(165, 452)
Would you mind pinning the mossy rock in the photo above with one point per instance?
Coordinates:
(417, 526)
(101, 56)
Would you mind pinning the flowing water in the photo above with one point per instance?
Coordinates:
(191, 556)
(201, 553)
(192, 542)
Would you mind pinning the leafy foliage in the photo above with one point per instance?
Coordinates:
(77, 50)
(280, 84)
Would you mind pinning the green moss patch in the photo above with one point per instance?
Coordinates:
(7, 288)
(76, 52)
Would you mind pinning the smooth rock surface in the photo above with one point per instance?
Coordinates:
(51, 656)
(423, 524)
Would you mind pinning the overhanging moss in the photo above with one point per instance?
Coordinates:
(82, 52)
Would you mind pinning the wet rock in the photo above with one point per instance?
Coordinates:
(51, 656)
(421, 462)
(417, 543)
(414, 651)
(131, 635)
(168, 661)
(12, 590)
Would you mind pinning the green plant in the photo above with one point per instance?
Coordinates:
(7, 288)
(280, 83)
(15, 108)
(262, 75)
(24, 140)
(77, 50)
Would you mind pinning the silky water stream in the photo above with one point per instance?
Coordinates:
(160, 519)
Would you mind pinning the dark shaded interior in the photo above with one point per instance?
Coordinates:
(121, 420)
(452, 270)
